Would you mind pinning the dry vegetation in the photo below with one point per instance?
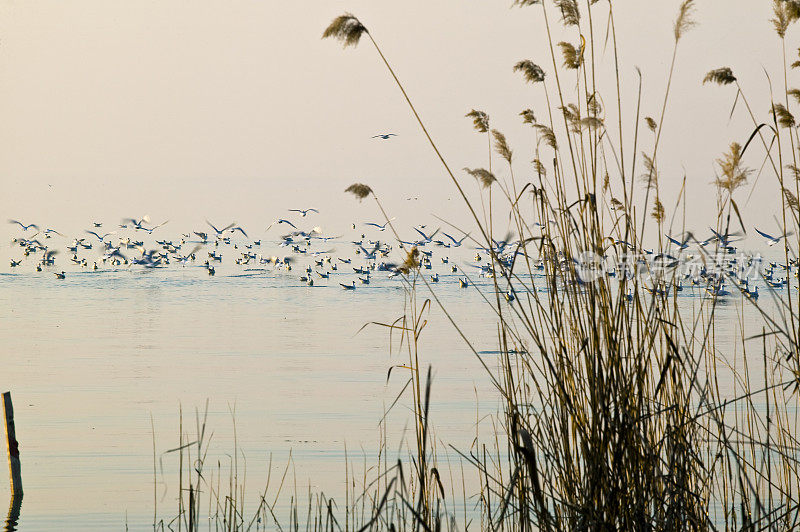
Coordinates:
(614, 416)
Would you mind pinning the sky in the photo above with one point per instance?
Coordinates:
(238, 110)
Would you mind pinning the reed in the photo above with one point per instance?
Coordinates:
(620, 408)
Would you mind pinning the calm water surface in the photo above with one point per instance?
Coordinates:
(91, 358)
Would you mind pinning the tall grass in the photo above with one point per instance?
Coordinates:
(618, 408)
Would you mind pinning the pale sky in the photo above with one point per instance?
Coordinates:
(237, 110)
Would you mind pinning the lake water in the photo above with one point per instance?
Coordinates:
(91, 358)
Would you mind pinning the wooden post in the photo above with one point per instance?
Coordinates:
(12, 520)
(13, 448)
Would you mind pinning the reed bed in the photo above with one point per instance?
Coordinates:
(617, 413)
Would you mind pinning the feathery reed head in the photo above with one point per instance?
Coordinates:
(794, 93)
(684, 22)
(651, 124)
(539, 167)
(501, 145)
(593, 105)
(650, 175)
(573, 57)
(359, 190)
(532, 72)
(345, 28)
(658, 211)
(573, 116)
(590, 122)
(720, 76)
(528, 117)
(480, 120)
(481, 174)
(782, 115)
(781, 19)
(793, 9)
(570, 15)
(733, 173)
(546, 135)
(524, 3)
(617, 205)
(791, 200)
(411, 261)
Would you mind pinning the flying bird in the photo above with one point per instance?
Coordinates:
(101, 238)
(384, 136)
(772, 240)
(220, 231)
(24, 227)
(456, 243)
(304, 212)
(380, 227)
(681, 245)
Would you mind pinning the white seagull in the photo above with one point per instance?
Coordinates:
(304, 212)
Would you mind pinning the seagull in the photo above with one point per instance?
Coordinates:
(348, 286)
(384, 136)
(101, 238)
(237, 228)
(219, 232)
(380, 227)
(61, 275)
(304, 212)
(724, 239)
(426, 237)
(137, 224)
(772, 240)
(24, 227)
(280, 221)
(681, 245)
(456, 243)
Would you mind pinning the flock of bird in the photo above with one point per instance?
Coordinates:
(125, 247)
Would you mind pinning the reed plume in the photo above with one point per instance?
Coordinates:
(345, 28)
(573, 117)
(538, 167)
(733, 174)
(651, 124)
(528, 117)
(501, 146)
(650, 175)
(532, 72)
(480, 120)
(411, 262)
(792, 200)
(573, 57)
(570, 14)
(485, 177)
(782, 115)
(590, 122)
(658, 211)
(720, 76)
(684, 22)
(781, 17)
(359, 190)
(547, 136)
